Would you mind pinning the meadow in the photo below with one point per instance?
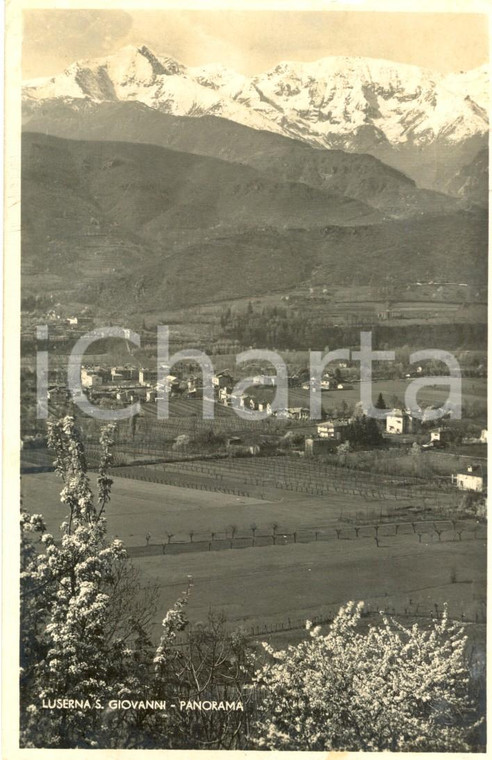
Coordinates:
(272, 585)
(263, 587)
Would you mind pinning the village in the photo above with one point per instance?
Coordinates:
(281, 486)
(261, 422)
(315, 510)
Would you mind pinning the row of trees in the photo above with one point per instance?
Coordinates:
(86, 622)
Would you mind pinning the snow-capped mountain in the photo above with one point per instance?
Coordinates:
(401, 103)
(388, 109)
(136, 74)
(330, 97)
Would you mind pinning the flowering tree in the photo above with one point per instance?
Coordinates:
(81, 623)
(85, 631)
(387, 688)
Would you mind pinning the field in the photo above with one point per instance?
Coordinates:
(474, 392)
(268, 586)
(294, 494)
(277, 582)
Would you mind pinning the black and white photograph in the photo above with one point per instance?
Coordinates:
(250, 443)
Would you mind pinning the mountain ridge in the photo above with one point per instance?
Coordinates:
(359, 176)
(121, 225)
(359, 105)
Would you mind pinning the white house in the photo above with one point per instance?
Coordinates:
(89, 378)
(399, 422)
(443, 435)
(224, 396)
(474, 479)
(326, 429)
(167, 383)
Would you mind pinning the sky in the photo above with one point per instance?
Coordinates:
(253, 41)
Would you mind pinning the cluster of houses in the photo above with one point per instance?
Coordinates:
(331, 433)
(327, 384)
(128, 384)
(259, 400)
(398, 422)
(61, 329)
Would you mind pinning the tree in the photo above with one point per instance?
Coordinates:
(212, 663)
(388, 688)
(181, 442)
(85, 635)
(380, 403)
(364, 432)
(253, 528)
(64, 601)
(132, 425)
(358, 411)
(83, 627)
(342, 450)
(233, 529)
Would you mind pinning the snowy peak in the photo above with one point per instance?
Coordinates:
(335, 96)
(125, 75)
(162, 83)
(219, 77)
(357, 104)
(138, 67)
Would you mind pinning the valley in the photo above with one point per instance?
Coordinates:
(253, 379)
(157, 195)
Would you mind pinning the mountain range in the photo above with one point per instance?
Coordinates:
(137, 226)
(359, 176)
(422, 122)
(146, 182)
